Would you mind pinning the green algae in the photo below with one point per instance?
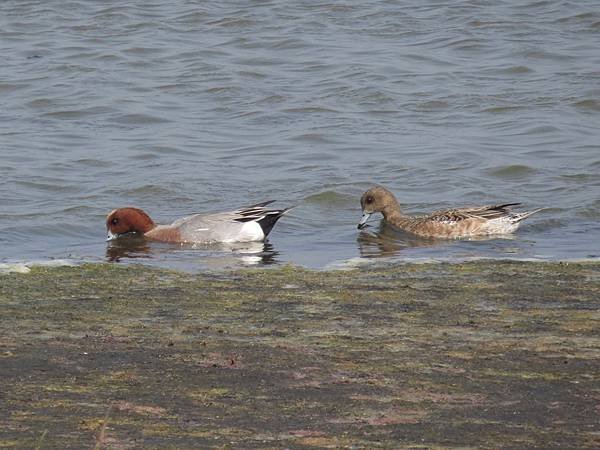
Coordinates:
(474, 355)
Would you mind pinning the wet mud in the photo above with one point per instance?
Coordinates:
(474, 355)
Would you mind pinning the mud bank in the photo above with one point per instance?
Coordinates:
(474, 355)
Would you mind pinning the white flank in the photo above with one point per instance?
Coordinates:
(251, 231)
(502, 225)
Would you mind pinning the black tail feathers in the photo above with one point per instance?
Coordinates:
(270, 219)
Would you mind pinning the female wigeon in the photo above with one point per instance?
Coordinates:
(452, 223)
(252, 223)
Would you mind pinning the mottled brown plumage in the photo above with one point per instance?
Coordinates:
(452, 223)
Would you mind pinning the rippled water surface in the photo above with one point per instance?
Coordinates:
(182, 107)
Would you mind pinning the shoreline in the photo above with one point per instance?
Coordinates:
(482, 354)
(356, 263)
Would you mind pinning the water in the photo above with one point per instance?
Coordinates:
(178, 107)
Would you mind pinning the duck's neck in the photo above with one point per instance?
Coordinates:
(165, 233)
(142, 222)
(393, 213)
(147, 226)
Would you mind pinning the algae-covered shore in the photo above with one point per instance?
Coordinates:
(472, 355)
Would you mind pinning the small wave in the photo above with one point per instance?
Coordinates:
(138, 119)
(49, 186)
(90, 162)
(483, 23)
(271, 99)
(580, 177)
(515, 70)
(543, 129)
(290, 43)
(312, 137)
(433, 105)
(512, 171)
(75, 113)
(143, 51)
(547, 55)
(309, 109)
(45, 103)
(10, 87)
(223, 89)
(161, 150)
(193, 17)
(329, 198)
(107, 58)
(502, 109)
(589, 105)
(233, 22)
(149, 190)
(72, 210)
(41, 103)
(582, 17)
(252, 74)
(539, 225)
(590, 213)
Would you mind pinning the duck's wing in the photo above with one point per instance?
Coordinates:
(487, 212)
(254, 212)
(476, 221)
(251, 223)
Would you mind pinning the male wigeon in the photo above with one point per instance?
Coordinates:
(452, 223)
(252, 223)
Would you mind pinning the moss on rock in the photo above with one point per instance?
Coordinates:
(481, 354)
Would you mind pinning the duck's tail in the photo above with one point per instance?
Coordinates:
(266, 218)
(518, 217)
(268, 221)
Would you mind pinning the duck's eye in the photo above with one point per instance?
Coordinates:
(114, 221)
(369, 199)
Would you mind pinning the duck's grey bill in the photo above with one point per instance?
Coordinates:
(110, 236)
(363, 220)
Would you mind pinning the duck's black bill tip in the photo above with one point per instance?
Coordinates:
(363, 221)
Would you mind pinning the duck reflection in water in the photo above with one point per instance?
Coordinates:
(132, 247)
(387, 240)
(244, 253)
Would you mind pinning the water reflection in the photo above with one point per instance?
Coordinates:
(130, 247)
(223, 254)
(386, 240)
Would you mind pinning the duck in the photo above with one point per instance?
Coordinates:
(485, 220)
(248, 224)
